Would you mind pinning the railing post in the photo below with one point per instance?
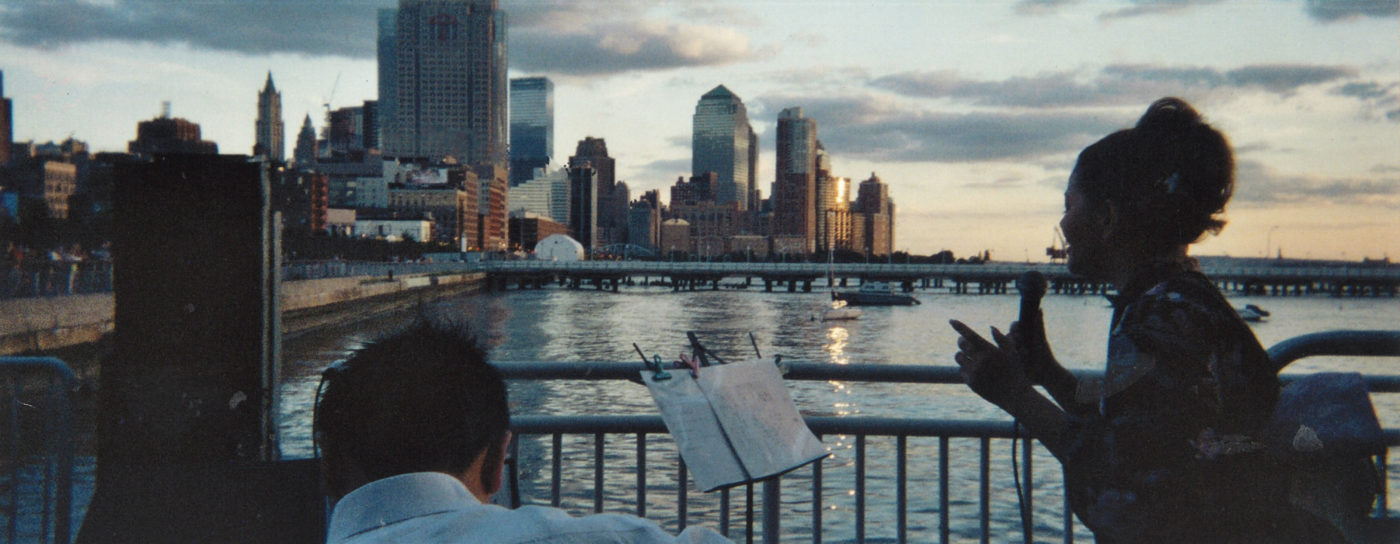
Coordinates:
(772, 510)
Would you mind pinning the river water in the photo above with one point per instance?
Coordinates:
(565, 325)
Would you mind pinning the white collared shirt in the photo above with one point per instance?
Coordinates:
(435, 507)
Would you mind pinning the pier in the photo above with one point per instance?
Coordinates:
(1273, 278)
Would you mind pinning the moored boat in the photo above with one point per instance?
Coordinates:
(1251, 312)
(874, 293)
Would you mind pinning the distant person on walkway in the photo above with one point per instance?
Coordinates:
(412, 431)
(1166, 448)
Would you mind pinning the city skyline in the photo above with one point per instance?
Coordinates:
(971, 113)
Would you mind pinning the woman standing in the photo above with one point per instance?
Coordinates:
(1163, 449)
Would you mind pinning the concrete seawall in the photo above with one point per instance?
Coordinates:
(46, 323)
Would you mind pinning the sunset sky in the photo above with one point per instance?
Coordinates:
(972, 111)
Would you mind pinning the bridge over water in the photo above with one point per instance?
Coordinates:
(1260, 279)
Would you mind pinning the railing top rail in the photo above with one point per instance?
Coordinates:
(1343, 342)
(821, 425)
(874, 373)
(49, 365)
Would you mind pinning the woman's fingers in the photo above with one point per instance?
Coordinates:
(970, 336)
(1005, 342)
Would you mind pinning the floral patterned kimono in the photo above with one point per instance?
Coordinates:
(1163, 449)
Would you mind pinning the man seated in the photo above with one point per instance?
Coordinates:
(412, 431)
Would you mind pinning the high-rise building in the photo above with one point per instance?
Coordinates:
(794, 189)
(531, 126)
(595, 152)
(388, 73)
(547, 195)
(269, 126)
(754, 198)
(583, 204)
(876, 211)
(611, 197)
(833, 212)
(7, 124)
(493, 185)
(345, 131)
(305, 152)
(165, 134)
(720, 142)
(450, 78)
(644, 221)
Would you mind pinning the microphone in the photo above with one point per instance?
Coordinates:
(1032, 286)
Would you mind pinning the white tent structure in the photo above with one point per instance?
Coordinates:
(559, 247)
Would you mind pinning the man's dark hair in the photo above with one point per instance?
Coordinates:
(420, 400)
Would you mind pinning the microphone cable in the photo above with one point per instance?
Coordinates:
(1016, 478)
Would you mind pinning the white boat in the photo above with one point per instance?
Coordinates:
(1251, 312)
(841, 313)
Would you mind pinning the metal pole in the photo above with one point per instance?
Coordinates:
(772, 509)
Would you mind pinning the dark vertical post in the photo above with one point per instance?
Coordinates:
(187, 430)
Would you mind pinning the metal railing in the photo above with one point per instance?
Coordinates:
(1365, 343)
(36, 460)
(36, 457)
(57, 278)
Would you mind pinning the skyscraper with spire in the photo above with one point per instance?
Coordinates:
(269, 126)
(306, 150)
(721, 140)
(450, 82)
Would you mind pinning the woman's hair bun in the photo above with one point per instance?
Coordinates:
(1168, 115)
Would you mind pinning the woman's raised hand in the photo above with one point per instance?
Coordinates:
(993, 371)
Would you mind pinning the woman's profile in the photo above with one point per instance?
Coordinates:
(1164, 448)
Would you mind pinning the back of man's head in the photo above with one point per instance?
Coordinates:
(420, 400)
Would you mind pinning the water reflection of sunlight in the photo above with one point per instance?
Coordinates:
(837, 338)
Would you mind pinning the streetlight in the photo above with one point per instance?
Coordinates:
(1269, 240)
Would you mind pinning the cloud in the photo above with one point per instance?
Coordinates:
(1284, 78)
(660, 173)
(627, 46)
(1040, 7)
(877, 128)
(1044, 90)
(1258, 184)
(1138, 8)
(1366, 90)
(327, 27)
(997, 184)
(553, 36)
(1380, 99)
(1321, 10)
(1113, 85)
(1335, 10)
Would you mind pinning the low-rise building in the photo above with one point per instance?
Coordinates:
(527, 229)
(395, 230)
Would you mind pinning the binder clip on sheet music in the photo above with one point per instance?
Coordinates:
(734, 423)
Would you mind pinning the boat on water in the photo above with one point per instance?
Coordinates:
(841, 312)
(874, 293)
(1251, 312)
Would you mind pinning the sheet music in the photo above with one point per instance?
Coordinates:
(702, 443)
(758, 416)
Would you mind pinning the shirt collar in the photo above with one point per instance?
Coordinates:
(1148, 276)
(394, 499)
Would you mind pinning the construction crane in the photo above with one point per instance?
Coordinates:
(1058, 248)
(327, 103)
(326, 130)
